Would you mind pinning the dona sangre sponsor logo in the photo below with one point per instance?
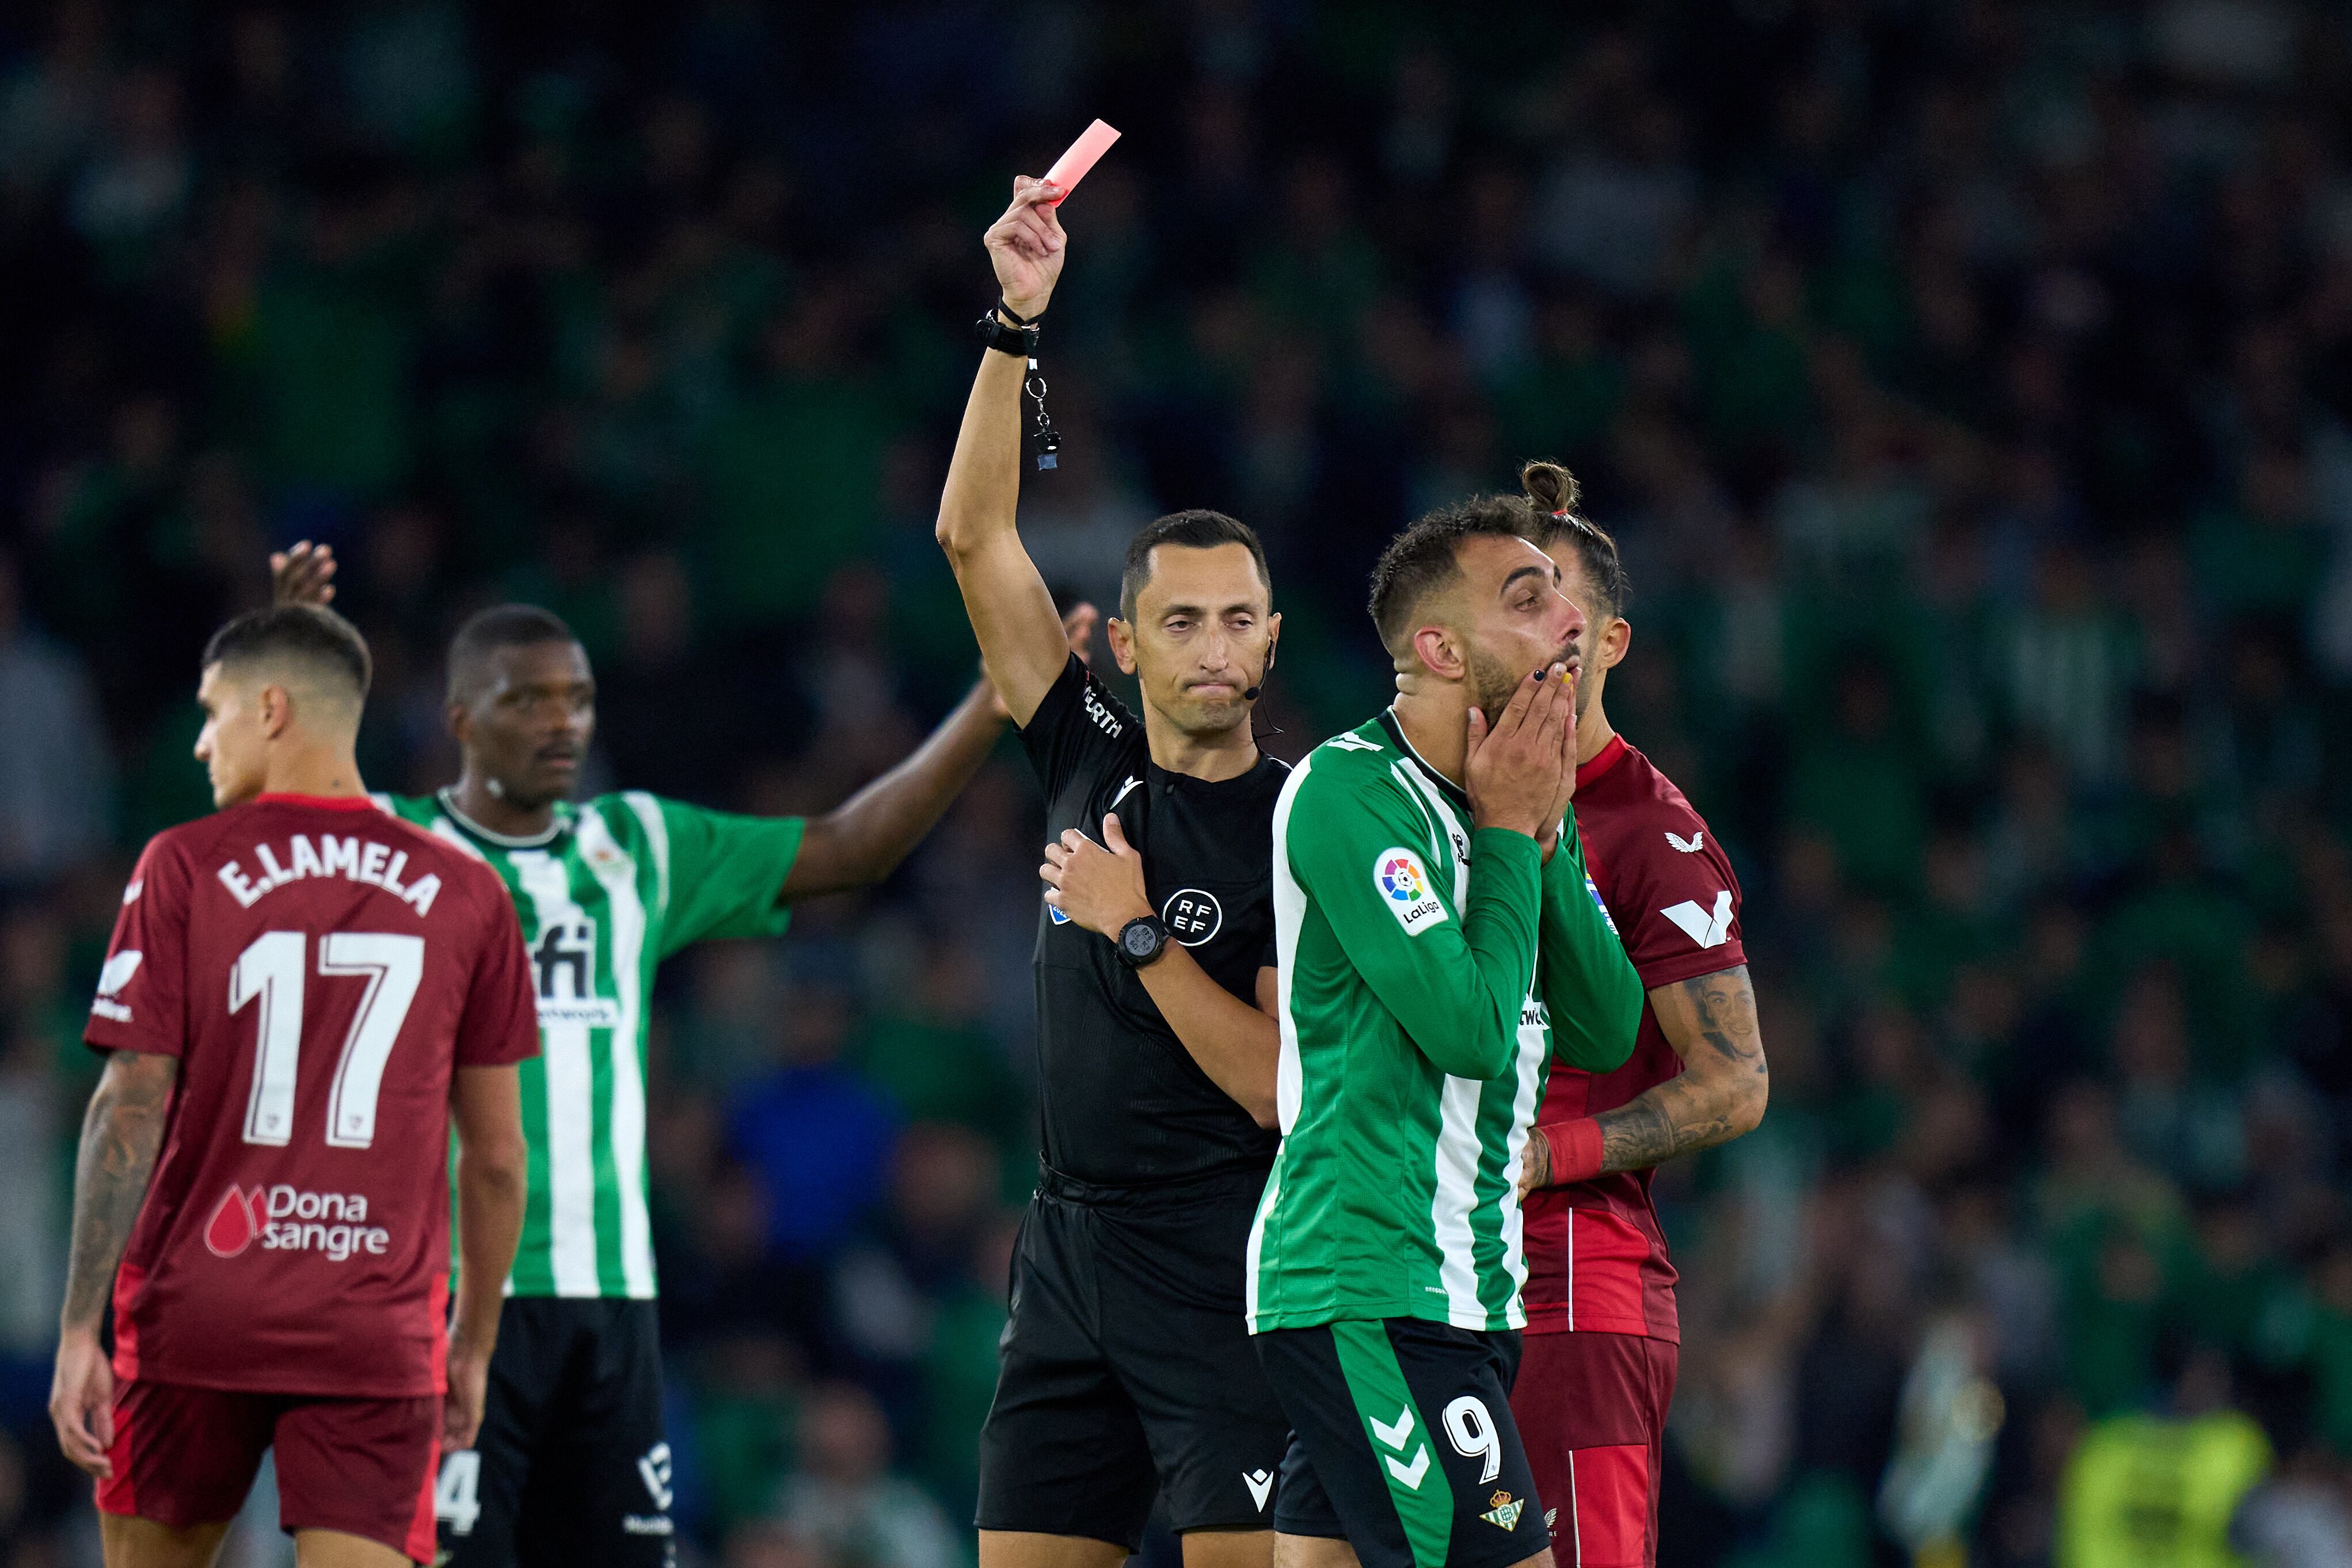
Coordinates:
(284, 1218)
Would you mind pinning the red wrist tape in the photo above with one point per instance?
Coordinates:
(1575, 1150)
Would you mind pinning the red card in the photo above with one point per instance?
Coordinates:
(1072, 166)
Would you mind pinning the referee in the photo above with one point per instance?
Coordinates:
(1125, 1371)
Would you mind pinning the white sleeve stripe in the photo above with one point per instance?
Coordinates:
(649, 817)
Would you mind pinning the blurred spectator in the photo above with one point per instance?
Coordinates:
(932, 1053)
(764, 1544)
(54, 773)
(844, 1497)
(32, 1286)
(749, 1392)
(818, 1137)
(2162, 1486)
(2300, 1518)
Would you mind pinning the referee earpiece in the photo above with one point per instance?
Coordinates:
(1259, 685)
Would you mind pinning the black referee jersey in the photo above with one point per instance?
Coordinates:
(1125, 1105)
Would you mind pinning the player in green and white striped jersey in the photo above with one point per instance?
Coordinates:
(571, 1466)
(606, 890)
(1438, 943)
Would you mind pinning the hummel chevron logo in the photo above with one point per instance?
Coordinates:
(1261, 1486)
(1396, 1437)
(1410, 1474)
(1707, 929)
(1688, 845)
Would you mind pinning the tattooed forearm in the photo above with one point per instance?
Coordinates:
(119, 1138)
(1720, 1093)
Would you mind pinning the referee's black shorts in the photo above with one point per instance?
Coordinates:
(1126, 1372)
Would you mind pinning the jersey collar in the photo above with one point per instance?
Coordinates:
(1607, 757)
(1448, 787)
(554, 830)
(323, 802)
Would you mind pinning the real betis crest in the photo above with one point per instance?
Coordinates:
(1505, 1512)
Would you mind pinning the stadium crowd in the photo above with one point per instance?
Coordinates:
(1968, 384)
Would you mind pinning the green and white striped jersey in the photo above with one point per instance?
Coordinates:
(1429, 971)
(615, 887)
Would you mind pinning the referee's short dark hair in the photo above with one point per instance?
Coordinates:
(486, 631)
(1194, 529)
(308, 636)
(1421, 561)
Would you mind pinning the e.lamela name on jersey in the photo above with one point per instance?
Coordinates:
(350, 857)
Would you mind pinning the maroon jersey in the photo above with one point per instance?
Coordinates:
(1596, 1258)
(320, 968)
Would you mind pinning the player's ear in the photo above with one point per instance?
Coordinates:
(1435, 646)
(276, 706)
(460, 722)
(1615, 642)
(1122, 644)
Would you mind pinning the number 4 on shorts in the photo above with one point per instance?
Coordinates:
(457, 1497)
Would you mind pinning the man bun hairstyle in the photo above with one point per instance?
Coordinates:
(309, 635)
(1553, 494)
(1552, 490)
(1421, 561)
(1197, 528)
(486, 631)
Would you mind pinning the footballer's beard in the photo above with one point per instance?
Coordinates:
(1493, 683)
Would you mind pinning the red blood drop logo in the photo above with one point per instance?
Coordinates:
(231, 1229)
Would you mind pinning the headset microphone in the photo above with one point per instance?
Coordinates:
(1259, 684)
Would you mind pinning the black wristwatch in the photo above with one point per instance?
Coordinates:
(1141, 940)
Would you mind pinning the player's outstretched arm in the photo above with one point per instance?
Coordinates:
(861, 841)
(1101, 886)
(1011, 613)
(1719, 1095)
(486, 1105)
(120, 1137)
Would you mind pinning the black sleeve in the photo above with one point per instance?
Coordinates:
(1078, 731)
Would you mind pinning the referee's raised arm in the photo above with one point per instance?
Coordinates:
(1021, 636)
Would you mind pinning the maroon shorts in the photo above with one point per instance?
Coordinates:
(185, 1456)
(1592, 1410)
